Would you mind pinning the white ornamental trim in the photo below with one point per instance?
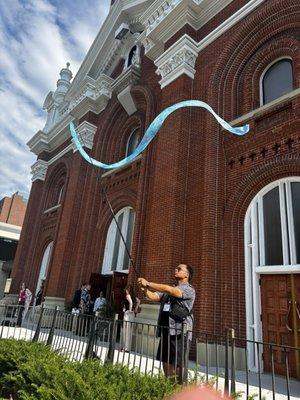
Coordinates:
(86, 132)
(129, 77)
(179, 59)
(39, 170)
(92, 94)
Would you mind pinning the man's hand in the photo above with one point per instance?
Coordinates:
(142, 282)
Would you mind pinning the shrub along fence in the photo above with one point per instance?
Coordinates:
(224, 362)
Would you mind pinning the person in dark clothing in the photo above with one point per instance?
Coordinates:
(176, 303)
(21, 304)
(77, 296)
(39, 295)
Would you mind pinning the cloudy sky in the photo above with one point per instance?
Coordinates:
(37, 38)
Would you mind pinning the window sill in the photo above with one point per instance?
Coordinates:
(278, 269)
(124, 271)
(112, 171)
(51, 209)
(266, 107)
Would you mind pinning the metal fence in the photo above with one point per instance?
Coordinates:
(230, 364)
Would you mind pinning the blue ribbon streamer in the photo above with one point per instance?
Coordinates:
(151, 132)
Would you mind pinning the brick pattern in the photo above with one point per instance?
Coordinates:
(12, 210)
(194, 183)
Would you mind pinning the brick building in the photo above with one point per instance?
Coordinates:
(12, 212)
(228, 205)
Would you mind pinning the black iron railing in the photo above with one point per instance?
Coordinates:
(230, 364)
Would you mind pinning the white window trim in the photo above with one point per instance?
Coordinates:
(255, 257)
(44, 266)
(128, 141)
(110, 242)
(261, 89)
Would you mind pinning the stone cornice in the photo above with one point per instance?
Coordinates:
(86, 132)
(129, 77)
(165, 17)
(179, 59)
(39, 170)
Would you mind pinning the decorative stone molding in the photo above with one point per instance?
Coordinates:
(39, 170)
(92, 95)
(86, 132)
(166, 17)
(179, 59)
(129, 77)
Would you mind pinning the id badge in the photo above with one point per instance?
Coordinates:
(166, 307)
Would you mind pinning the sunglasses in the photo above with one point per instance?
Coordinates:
(179, 269)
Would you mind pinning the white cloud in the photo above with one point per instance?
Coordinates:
(37, 38)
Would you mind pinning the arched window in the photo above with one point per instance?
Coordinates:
(132, 142)
(131, 56)
(44, 266)
(60, 193)
(115, 255)
(272, 245)
(276, 81)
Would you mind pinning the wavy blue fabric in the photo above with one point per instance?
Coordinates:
(152, 130)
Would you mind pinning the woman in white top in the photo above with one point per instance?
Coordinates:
(131, 306)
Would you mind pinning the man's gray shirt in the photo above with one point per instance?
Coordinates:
(188, 298)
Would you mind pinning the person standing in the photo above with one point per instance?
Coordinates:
(85, 299)
(28, 298)
(21, 304)
(99, 302)
(39, 295)
(176, 303)
(131, 305)
(77, 296)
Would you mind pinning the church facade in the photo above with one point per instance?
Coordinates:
(228, 205)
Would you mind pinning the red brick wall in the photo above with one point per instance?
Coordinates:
(192, 186)
(12, 210)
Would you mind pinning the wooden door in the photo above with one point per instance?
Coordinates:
(119, 282)
(277, 320)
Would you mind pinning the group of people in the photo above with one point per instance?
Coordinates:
(83, 303)
(176, 304)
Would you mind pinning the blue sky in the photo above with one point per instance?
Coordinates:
(37, 38)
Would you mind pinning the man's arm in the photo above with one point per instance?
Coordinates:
(153, 296)
(171, 290)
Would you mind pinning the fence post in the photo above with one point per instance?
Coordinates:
(184, 354)
(112, 341)
(232, 387)
(38, 327)
(226, 384)
(91, 340)
(52, 329)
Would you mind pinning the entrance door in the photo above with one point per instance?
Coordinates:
(277, 320)
(119, 282)
(100, 283)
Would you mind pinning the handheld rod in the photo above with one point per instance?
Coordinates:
(98, 177)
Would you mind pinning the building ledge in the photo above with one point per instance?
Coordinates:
(265, 108)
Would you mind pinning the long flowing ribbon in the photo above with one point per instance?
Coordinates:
(151, 132)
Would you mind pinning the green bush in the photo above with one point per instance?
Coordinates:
(32, 371)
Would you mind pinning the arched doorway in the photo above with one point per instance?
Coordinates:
(272, 261)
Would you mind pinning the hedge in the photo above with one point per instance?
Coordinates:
(32, 371)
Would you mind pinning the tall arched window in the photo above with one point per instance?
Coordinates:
(277, 80)
(132, 142)
(60, 193)
(272, 245)
(44, 266)
(131, 55)
(115, 255)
